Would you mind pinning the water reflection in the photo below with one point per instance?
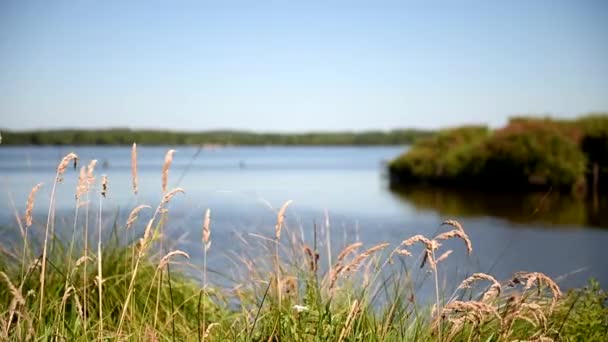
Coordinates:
(550, 208)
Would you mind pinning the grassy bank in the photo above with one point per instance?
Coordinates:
(280, 287)
(527, 154)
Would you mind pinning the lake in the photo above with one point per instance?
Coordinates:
(343, 186)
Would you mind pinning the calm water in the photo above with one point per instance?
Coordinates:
(549, 233)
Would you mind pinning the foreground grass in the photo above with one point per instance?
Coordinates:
(281, 288)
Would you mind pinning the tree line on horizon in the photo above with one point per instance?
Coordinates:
(159, 137)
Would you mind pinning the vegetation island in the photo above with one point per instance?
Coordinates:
(528, 154)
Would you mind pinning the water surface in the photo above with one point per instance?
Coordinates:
(345, 186)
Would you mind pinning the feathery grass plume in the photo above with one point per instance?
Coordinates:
(492, 292)
(475, 312)
(90, 170)
(17, 296)
(206, 240)
(348, 250)
(134, 215)
(454, 224)
(165, 260)
(29, 207)
(443, 256)
(134, 167)
(50, 223)
(166, 199)
(281, 218)
(354, 265)
(209, 328)
(83, 184)
(17, 299)
(540, 278)
(357, 261)
(166, 166)
(64, 164)
(459, 234)
(429, 247)
(169, 195)
(66, 295)
(143, 244)
(207, 229)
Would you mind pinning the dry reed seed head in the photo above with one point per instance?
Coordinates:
(492, 292)
(134, 215)
(104, 185)
(403, 252)
(443, 256)
(476, 312)
(29, 205)
(82, 259)
(134, 167)
(281, 218)
(165, 171)
(207, 229)
(64, 164)
(454, 224)
(82, 186)
(209, 328)
(66, 295)
(348, 250)
(17, 296)
(354, 265)
(165, 260)
(429, 244)
(458, 234)
(169, 195)
(540, 279)
(90, 171)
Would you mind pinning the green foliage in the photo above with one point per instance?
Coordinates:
(149, 137)
(445, 155)
(584, 314)
(527, 154)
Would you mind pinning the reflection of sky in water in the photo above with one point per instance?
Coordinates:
(239, 184)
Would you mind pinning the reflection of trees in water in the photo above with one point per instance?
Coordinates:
(551, 207)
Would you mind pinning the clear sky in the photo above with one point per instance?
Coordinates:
(298, 65)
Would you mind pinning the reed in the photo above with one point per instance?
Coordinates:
(165, 170)
(206, 240)
(50, 221)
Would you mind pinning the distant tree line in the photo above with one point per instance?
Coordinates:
(154, 137)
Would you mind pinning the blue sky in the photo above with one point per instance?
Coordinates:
(298, 65)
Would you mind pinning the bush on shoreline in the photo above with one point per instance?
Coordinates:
(527, 154)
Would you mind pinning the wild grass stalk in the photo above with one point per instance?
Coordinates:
(50, 218)
(206, 240)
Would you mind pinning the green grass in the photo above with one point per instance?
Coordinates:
(374, 296)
